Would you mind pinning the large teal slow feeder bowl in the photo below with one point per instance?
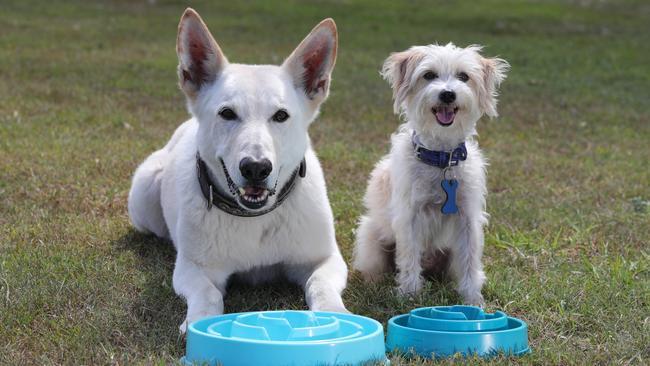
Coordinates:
(284, 338)
(443, 331)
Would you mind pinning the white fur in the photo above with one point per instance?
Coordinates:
(165, 198)
(404, 195)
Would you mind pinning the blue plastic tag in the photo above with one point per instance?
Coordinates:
(449, 186)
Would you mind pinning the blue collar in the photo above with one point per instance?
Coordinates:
(440, 159)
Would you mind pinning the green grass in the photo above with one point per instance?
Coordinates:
(88, 90)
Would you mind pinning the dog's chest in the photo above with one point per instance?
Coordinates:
(428, 197)
(426, 188)
(240, 243)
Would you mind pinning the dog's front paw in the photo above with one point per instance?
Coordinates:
(191, 318)
(332, 308)
(336, 310)
(410, 286)
(372, 277)
(183, 327)
(475, 299)
(186, 323)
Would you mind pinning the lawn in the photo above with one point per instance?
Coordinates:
(88, 90)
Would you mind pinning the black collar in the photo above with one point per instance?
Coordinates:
(440, 159)
(227, 204)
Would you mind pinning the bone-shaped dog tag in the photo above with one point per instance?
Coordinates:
(449, 186)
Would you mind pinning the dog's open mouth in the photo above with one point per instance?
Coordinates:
(250, 196)
(445, 114)
(253, 197)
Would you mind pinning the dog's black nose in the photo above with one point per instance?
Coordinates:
(447, 96)
(255, 170)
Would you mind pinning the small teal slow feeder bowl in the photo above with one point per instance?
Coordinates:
(442, 331)
(284, 338)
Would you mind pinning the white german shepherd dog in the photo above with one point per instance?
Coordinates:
(238, 188)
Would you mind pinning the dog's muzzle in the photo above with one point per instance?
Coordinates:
(445, 114)
(255, 193)
(445, 111)
(236, 203)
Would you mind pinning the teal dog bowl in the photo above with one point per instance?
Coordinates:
(284, 338)
(442, 331)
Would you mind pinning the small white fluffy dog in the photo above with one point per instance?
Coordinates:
(238, 188)
(442, 91)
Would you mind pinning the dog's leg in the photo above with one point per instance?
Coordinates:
(323, 283)
(204, 297)
(371, 257)
(408, 256)
(144, 206)
(144, 203)
(466, 267)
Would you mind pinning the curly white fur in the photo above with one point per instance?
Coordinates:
(404, 195)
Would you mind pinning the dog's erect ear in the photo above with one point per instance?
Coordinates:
(311, 63)
(200, 60)
(494, 72)
(398, 71)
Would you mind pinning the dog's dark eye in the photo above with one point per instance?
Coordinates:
(462, 77)
(228, 114)
(430, 75)
(280, 116)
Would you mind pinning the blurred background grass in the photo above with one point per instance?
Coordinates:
(88, 90)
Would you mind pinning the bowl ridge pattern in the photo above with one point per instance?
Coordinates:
(284, 338)
(442, 331)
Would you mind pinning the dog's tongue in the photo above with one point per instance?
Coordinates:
(445, 115)
(253, 191)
